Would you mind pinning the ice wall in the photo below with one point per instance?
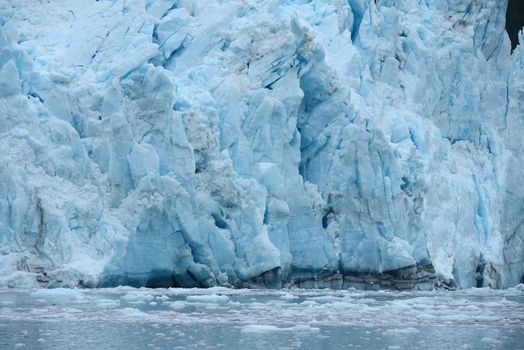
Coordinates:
(325, 143)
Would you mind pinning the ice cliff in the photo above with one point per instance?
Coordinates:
(328, 143)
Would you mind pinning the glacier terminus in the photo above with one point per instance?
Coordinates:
(270, 143)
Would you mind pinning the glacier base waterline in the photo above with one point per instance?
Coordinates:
(260, 143)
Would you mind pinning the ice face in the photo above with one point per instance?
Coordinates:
(201, 143)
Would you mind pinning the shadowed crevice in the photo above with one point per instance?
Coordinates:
(514, 21)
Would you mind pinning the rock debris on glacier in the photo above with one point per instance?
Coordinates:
(324, 143)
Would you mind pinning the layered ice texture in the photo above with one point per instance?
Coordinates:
(325, 143)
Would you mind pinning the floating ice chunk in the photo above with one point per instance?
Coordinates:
(58, 294)
(491, 340)
(409, 330)
(212, 298)
(326, 299)
(288, 297)
(137, 297)
(132, 313)
(177, 305)
(256, 328)
(107, 303)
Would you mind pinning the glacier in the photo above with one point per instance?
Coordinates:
(195, 143)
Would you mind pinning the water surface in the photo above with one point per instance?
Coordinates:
(220, 318)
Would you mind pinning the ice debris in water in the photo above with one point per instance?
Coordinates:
(213, 298)
(58, 294)
(258, 328)
(198, 143)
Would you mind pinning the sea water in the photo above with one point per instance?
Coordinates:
(221, 318)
